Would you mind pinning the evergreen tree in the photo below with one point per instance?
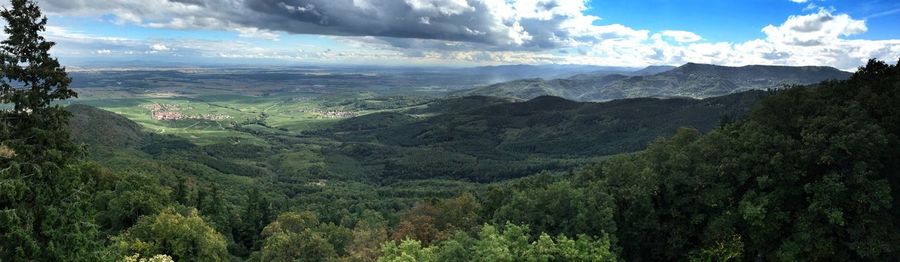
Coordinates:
(44, 194)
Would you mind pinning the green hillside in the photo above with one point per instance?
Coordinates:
(96, 126)
(554, 126)
(689, 80)
(700, 80)
(510, 139)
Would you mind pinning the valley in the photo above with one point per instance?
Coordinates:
(337, 152)
(338, 146)
(432, 131)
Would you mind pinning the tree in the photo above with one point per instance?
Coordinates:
(255, 217)
(408, 250)
(368, 235)
(182, 235)
(558, 208)
(418, 223)
(507, 243)
(132, 196)
(300, 236)
(45, 192)
(429, 222)
(811, 174)
(31, 80)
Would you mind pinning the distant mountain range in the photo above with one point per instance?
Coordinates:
(690, 80)
(502, 73)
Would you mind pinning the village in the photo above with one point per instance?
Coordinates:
(172, 112)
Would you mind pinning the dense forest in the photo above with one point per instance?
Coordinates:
(809, 173)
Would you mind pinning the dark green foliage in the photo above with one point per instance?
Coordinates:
(129, 198)
(95, 126)
(300, 236)
(555, 208)
(45, 200)
(31, 78)
(256, 215)
(158, 144)
(556, 126)
(508, 140)
(380, 103)
(458, 104)
(374, 121)
(809, 175)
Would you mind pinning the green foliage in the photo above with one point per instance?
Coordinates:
(500, 141)
(94, 126)
(368, 235)
(509, 244)
(45, 193)
(556, 208)
(407, 251)
(131, 196)
(430, 222)
(809, 175)
(31, 78)
(256, 216)
(301, 236)
(183, 235)
(156, 258)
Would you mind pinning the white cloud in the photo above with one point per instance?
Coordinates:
(814, 29)
(682, 36)
(73, 35)
(250, 32)
(159, 48)
(799, 1)
(457, 31)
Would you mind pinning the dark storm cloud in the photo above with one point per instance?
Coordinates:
(388, 18)
(812, 25)
(540, 25)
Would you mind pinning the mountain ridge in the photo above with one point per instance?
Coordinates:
(689, 80)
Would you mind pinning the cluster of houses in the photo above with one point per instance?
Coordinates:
(162, 112)
(166, 115)
(336, 114)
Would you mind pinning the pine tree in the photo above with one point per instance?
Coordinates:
(44, 197)
(31, 80)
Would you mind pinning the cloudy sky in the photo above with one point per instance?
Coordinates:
(842, 34)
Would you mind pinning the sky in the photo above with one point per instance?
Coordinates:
(838, 33)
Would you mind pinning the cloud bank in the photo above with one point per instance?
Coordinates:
(468, 31)
(535, 24)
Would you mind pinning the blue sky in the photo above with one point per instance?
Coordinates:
(837, 33)
(723, 20)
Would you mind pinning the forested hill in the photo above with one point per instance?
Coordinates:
(549, 127)
(811, 174)
(689, 80)
(94, 126)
